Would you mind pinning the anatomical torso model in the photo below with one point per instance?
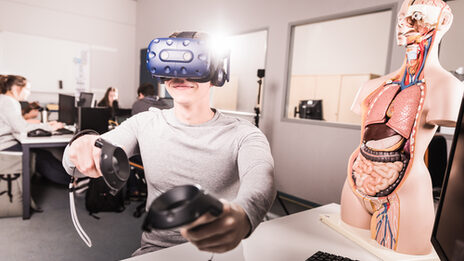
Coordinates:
(388, 188)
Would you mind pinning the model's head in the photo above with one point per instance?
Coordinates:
(421, 19)
(15, 86)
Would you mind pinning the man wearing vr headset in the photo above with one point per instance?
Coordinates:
(192, 144)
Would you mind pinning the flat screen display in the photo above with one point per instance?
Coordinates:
(448, 232)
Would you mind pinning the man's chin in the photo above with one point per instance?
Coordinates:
(182, 100)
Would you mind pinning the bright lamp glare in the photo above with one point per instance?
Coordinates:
(220, 44)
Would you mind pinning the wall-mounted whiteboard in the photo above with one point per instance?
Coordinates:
(45, 62)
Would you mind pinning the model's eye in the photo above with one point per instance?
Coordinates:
(417, 16)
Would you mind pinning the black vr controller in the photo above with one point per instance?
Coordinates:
(176, 207)
(180, 206)
(114, 165)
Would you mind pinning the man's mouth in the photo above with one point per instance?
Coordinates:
(182, 86)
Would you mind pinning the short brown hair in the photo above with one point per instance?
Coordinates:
(31, 106)
(8, 81)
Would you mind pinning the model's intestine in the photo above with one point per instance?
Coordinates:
(373, 177)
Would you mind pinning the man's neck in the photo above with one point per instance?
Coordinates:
(193, 114)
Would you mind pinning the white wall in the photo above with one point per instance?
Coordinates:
(342, 46)
(310, 160)
(105, 25)
(248, 54)
(452, 49)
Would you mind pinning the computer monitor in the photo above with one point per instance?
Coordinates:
(66, 109)
(85, 99)
(309, 109)
(448, 231)
(122, 115)
(93, 118)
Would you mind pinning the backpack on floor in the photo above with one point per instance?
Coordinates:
(99, 199)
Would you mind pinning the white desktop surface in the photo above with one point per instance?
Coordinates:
(293, 237)
(28, 143)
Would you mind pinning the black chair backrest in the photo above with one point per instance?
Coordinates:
(437, 160)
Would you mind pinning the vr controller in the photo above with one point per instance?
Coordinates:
(176, 207)
(189, 58)
(180, 206)
(114, 165)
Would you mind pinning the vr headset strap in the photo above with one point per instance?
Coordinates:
(186, 35)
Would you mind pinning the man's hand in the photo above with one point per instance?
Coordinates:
(218, 234)
(85, 156)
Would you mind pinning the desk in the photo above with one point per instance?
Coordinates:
(27, 144)
(293, 237)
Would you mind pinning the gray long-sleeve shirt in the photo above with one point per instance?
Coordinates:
(12, 123)
(228, 157)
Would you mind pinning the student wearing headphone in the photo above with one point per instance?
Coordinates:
(13, 88)
(192, 144)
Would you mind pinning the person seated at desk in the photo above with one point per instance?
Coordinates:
(30, 111)
(12, 125)
(110, 100)
(147, 98)
(193, 144)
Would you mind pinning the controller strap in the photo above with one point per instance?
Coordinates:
(75, 220)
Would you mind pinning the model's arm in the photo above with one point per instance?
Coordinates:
(364, 91)
(85, 157)
(367, 89)
(445, 101)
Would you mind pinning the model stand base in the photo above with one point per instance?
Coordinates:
(363, 239)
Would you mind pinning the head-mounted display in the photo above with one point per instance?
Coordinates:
(189, 58)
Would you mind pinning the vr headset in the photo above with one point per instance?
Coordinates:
(188, 58)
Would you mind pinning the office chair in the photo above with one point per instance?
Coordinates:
(436, 160)
(138, 176)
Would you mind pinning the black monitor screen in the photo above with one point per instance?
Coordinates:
(94, 118)
(448, 232)
(85, 99)
(310, 109)
(67, 110)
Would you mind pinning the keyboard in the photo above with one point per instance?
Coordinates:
(324, 256)
(62, 131)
